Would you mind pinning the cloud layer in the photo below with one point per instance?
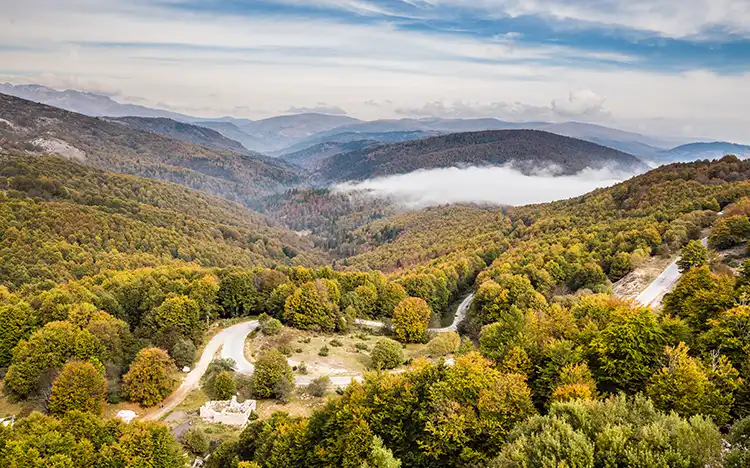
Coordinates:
(499, 185)
(674, 66)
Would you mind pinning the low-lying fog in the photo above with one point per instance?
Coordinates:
(494, 185)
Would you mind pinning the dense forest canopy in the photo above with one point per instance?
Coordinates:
(110, 282)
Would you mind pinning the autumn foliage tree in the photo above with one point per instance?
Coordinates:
(411, 319)
(694, 254)
(149, 379)
(271, 372)
(80, 386)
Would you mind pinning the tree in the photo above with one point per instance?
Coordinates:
(575, 382)
(196, 441)
(411, 319)
(381, 456)
(619, 431)
(149, 378)
(728, 333)
(443, 344)
(17, 321)
(312, 307)
(271, 368)
(80, 386)
(739, 440)
(497, 338)
(694, 254)
(183, 353)
(224, 386)
(145, 444)
(237, 295)
(319, 386)
(699, 297)
(387, 354)
(177, 317)
(684, 385)
(627, 351)
(47, 349)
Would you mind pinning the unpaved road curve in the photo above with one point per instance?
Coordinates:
(460, 314)
(231, 342)
(664, 283)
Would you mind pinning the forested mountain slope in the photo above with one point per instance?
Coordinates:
(613, 227)
(195, 134)
(529, 150)
(29, 126)
(61, 220)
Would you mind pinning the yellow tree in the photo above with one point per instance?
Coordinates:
(411, 319)
(80, 386)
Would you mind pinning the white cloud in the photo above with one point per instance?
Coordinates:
(580, 103)
(254, 66)
(320, 108)
(492, 185)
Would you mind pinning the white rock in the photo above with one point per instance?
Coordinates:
(126, 415)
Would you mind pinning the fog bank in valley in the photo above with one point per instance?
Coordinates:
(501, 185)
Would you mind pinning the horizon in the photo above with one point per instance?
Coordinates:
(670, 68)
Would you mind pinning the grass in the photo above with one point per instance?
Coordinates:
(296, 407)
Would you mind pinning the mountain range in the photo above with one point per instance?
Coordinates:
(123, 146)
(527, 150)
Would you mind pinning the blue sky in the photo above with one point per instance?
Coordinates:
(669, 67)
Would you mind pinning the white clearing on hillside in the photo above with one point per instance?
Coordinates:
(60, 148)
(11, 125)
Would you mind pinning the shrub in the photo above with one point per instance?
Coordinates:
(271, 327)
(302, 368)
(196, 441)
(319, 387)
(362, 346)
(387, 354)
(285, 350)
(336, 343)
(323, 351)
(271, 369)
(739, 438)
(444, 343)
(283, 390)
(306, 339)
(224, 386)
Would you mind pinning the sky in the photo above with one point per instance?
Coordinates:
(661, 67)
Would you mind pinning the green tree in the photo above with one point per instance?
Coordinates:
(196, 441)
(271, 368)
(381, 456)
(443, 344)
(149, 379)
(497, 338)
(46, 349)
(575, 382)
(411, 319)
(237, 295)
(224, 386)
(177, 317)
(728, 333)
(17, 321)
(699, 297)
(387, 354)
(312, 307)
(81, 387)
(694, 254)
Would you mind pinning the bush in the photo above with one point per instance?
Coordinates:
(271, 371)
(364, 336)
(387, 354)
(224, 386)
(196, 441)
(283, 390)
(306, 339)
(739, 438)
(183, 353)
(336, 343)
(285, 350)
(271, 327)
(319, 387)
(323, 351)
(362, 346)
(302, 368)
(444, 343)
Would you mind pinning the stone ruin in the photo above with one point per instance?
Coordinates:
(228, 412)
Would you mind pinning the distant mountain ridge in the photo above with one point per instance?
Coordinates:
(528, 150)
(703, 150)
(184, 132)
(117, 147)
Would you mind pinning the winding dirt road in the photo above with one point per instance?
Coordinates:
(230, 343)
(664, 283)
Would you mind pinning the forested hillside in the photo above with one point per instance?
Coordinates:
(62, 220)
(195, 134)
(28, 126)
(528, 150)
